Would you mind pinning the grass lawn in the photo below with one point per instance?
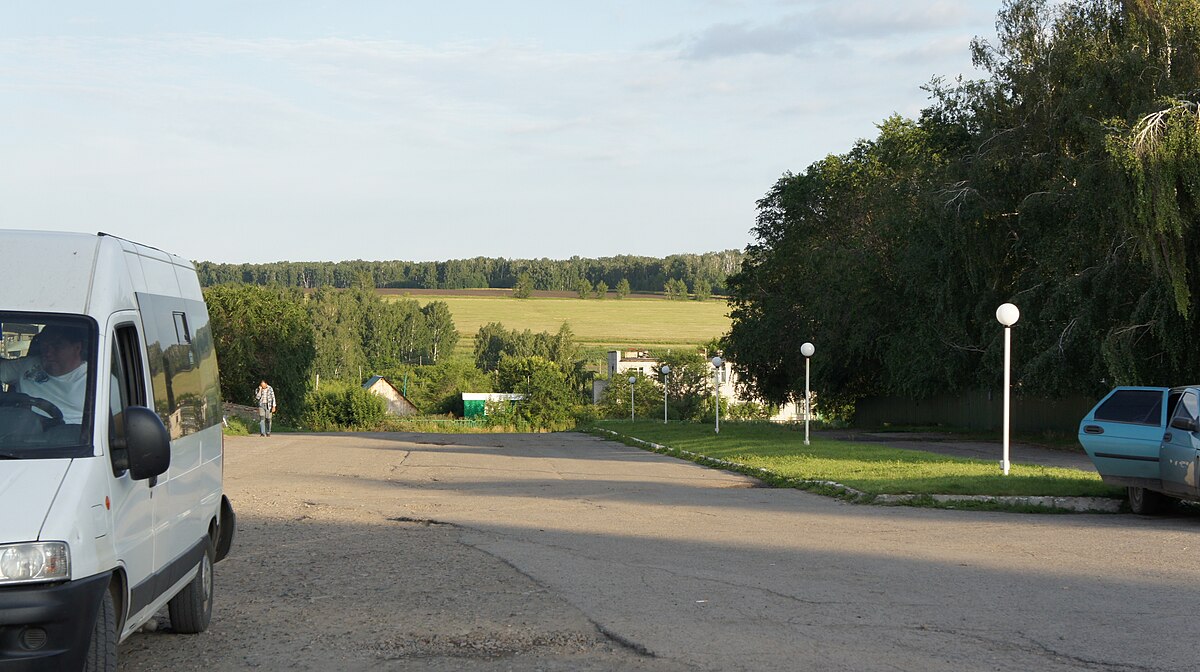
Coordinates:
(873, 469)
(629, 323)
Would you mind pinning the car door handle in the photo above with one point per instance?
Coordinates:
(1093, 429)
(1167, 437)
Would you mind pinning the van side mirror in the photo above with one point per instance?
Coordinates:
(143, 446)
(1186, 424)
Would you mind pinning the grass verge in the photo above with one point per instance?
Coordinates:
(777, 455)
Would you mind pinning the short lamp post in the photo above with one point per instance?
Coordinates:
(717, 362)
(632, 380)
(666, 373)
(1007, 314)
(807, 350)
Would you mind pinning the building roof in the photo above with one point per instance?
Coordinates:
(491, 396)
(375, 379)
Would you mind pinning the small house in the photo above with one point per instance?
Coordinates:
(397, 403)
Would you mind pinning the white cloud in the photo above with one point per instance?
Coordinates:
(803, 32)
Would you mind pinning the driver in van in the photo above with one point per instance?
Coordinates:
(56, 371)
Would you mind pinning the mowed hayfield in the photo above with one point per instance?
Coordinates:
(635, 322)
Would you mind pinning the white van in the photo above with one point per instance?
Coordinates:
(111, 454)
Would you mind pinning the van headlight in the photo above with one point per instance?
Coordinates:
(34, 562)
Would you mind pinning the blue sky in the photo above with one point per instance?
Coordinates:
(263, 131)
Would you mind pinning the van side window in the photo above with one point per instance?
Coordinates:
(127, 369)
(182, 335)
(182, 363)
(1140, 407)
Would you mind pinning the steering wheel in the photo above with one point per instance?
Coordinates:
(22, 400)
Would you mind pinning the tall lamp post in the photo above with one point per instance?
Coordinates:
(717, 362)
(1007, 314)
(632, 380)
(807, 350)
(666, 372)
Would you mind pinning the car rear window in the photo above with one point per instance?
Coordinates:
(1141, 407)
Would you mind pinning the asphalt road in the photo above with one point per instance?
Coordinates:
(563, 551)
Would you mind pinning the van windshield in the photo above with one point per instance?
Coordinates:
(46, 385)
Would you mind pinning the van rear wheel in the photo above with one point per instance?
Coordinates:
(1145, 502)
(191, 609)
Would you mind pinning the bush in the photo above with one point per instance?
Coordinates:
(750, 410)
(237, 426)
(586, 415)
(337, 406)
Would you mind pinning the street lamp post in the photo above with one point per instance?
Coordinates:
(807, 350)
(666, 372)
(717, 362)
(632, 380)
(1007, 314)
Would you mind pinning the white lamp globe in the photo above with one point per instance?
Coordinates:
(807, 349)
(632, 379)
(1008, 314)
(665, 369)
(717, 362)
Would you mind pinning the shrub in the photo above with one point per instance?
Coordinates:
(237, 426)
(338, 406)
(749, 410)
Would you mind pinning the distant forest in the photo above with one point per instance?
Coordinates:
(644, 274)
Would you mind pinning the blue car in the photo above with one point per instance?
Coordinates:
(1147, 439)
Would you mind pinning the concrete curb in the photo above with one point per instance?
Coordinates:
(1073, 504)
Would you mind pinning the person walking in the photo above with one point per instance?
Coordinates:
(265, 396)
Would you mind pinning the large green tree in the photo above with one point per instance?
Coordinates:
(688, 383)
(440, 332)
(261, 333)
(550, 400)
(647, 398)
(1066, 182)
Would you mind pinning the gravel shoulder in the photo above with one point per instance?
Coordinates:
(326, 576)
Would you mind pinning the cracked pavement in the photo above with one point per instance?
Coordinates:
(564, 551)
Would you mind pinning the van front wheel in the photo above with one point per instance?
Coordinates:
(102, 650)
(191, 609)
(1145, 502)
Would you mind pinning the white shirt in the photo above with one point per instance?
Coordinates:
(68, 391)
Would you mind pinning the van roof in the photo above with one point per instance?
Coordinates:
(60, 272)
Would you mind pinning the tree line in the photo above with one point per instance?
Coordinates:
(290, 338)
(1067, 182)
(638, 273)
(317, 348)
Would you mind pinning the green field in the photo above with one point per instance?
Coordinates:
(630, 323)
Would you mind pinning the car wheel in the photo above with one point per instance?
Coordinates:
(102, 650)
(1145, 502)
(191, 609)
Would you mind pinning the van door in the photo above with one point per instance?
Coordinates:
(132, 506)
(1180, 452)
